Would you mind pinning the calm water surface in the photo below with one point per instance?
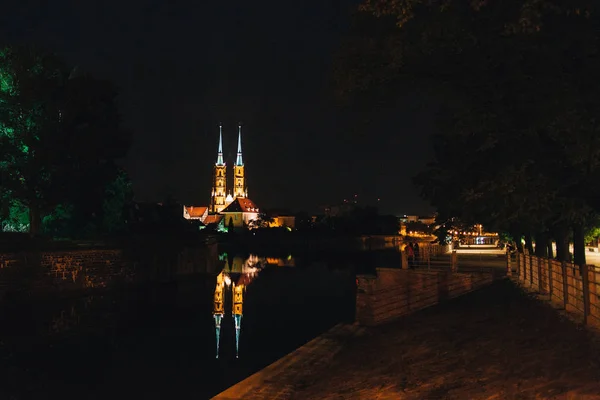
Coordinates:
(177, 340)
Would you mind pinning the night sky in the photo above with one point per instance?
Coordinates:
(182, 67)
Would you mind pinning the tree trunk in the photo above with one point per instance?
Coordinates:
(549, 246)
(541, 245)
(561, 234)
(517, 238)
(528, 243)
(578, 245)
(35, 220)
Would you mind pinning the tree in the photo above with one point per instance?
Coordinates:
(262, 221)
(119, 193)
(517, 150)
(14, 216)
(59, 133)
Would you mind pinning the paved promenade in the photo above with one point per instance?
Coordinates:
(496, 343)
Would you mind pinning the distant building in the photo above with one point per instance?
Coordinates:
(403, 228)
(219, 196)
(226, 205)
(196, 213)
(216, 221)
(280, 218)
(427, 220)
(241, 211)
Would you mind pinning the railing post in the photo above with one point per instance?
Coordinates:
(508, 266)
(585, 281)
(454, 266)
(550, 278)
(404, 259)
(530, 257)
(563, 266)
(540, 276)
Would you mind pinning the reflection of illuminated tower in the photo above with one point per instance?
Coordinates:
(218, 308)
(239, 189)
(218, 195)
(238, 303)
(238, 272)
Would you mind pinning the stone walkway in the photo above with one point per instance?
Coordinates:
(278, 380)
(495, 343)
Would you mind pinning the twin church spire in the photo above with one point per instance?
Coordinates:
(219, 196)
(239, 161)
(220, 153)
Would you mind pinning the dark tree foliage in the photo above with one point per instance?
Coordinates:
(517, 148)
(59, 137)
(264, 220)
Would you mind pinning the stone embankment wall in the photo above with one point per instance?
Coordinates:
(35, 273)
(397, 292)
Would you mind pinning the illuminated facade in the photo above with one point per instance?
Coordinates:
(219, 196)
(239, 180)
(219, 191)
(283, 221)
(240, 213)
(235, 205)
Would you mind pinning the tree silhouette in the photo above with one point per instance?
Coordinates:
(262, 221)
(59, 134)
(517, 145)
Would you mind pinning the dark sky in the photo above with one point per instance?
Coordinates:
(184, 66)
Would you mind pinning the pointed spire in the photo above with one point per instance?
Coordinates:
(218, 318)
(239, 161)
(220, 153)
(237, 319)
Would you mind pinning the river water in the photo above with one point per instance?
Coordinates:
(190, 339)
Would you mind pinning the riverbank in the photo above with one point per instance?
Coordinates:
(70, 268)
(495, 343)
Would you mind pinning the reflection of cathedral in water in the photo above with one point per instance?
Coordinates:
(235, 277)
(237, 274)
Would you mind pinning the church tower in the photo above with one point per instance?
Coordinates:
(239, 182)
(219, 191)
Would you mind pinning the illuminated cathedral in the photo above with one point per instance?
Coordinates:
(219, 198)
(226, 208)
